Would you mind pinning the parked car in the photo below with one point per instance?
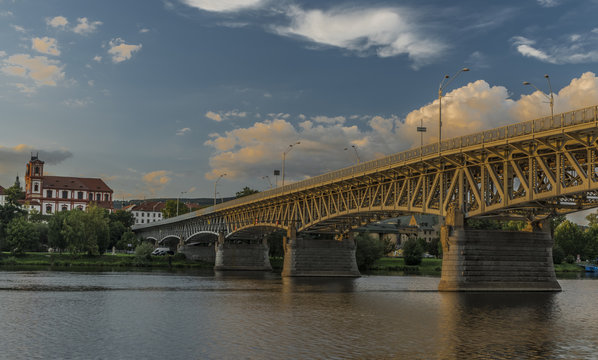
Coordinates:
(162, 251)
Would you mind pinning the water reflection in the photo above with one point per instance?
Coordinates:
(497, 325)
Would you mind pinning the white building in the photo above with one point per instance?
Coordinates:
(146, 212)
(2, 196)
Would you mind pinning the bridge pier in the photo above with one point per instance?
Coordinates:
(240, 255)
(318, 257)
(496, 260)
(200, 251)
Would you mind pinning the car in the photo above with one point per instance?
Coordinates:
(162, 252)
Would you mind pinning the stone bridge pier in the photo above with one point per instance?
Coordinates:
(318, 257)
(495, 260)
(242, 255)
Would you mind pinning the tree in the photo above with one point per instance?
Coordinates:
(14, 194)
(246, 191)
(56, 239)
(8, 212)
(170, 209)
(86, 231)
(127, 241)
(592, 219)
(412, 252)
(570, 238)
(590, 250)
(368, 250)
(21, 235)
(124, 217)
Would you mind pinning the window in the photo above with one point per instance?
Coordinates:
(49, 193)
(80, 195)
(65, 194)
(106, 197)
(90, 197)
(142, 221)
(154, 215)
(48, 209)
(64, 208)
(99, 197)
(36, 187)
(79, 207)
(37, 170)
(142, 214)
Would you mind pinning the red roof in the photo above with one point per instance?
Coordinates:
(74, 183)
(149, 206)
(1, 190)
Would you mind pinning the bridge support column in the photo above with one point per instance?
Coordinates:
(242, 255)
(202, 251)
(319, 257)
(495, 260)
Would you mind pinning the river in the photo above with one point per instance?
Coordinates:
(207, 315)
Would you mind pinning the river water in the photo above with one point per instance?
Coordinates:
(161, 315)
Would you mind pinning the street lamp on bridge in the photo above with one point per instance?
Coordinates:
(550, 98)
(443, 85)
(177, 202)
(284, 156)
(216, 184)
(356, 153)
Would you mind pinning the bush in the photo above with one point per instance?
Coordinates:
(368, 250)
(412, 252)
(570, 259)
(558, 255)
(144, 251)
(179, 256)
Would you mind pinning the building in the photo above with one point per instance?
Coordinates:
(400, 229)
(146, 212)
(2, 196)
(48, 194)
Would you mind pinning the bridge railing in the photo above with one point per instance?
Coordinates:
(529, 127)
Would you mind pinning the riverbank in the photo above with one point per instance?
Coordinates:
(107, 260)
(434, 267)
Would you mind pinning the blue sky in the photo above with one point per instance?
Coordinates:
(161, 97)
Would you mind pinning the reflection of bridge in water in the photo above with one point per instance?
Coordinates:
(529, 171)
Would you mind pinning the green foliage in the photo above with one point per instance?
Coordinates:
(56, 239)
(275, 244)
(126, 218)
(8, 212)
(513, 225)
(570, 259)
(14, 194)
(433, 247)
(246, 191)
(412, 252)
(86, 232)
(128, 238)
(556, 221)
(144, 251)
(592, 219)
(170, 209)
(570, 238)
(42, 230)
(368, 250)
(558, 255)
(482, 224)
(21, 235)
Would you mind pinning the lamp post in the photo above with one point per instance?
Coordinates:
(421, 129)
(177, 202)
(268, 179)
(356, 153)
(216, 184)
(284, 157)
(443, 85)
(550, 98)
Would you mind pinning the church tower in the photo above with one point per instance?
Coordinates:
(33, 177)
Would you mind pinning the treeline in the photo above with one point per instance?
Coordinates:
(93, 231)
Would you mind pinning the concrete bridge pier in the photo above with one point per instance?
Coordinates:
(200, 251)
(242, 255)
(496, 260)
(318, 257)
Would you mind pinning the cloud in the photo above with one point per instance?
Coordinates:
(182, 131)
(225, 5)
(548, 3)
(85, 27)
(567, 49)
(156, 180)
(251, 152)
(121, 51)
(45, 45)
(6, 13)
(97, 58)
(57, 22)
(213, 116)
(385, 31)
(329, 120)
(19, 28)
(78, 103)
(144, 30)
(2, 53)
(14, 159)
(40, 69)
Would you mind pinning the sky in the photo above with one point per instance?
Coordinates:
(160, 98)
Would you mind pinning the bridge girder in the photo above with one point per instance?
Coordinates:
(532, 170)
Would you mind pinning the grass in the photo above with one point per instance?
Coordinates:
(105, 260)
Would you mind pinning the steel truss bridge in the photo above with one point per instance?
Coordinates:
(528, 170)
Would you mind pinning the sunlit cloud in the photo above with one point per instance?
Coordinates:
(19, 28)
(121, 51)
(156, 180)
(40, 69)
(224, 5)
(57, 22)
(213, 116)
(45, 45)
(183, 131)
(84, 26)
(251, 152)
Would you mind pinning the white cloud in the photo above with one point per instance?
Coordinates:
(97, 58)
(25, 89)
(568, 49)
(386, 31)
(144, 30)
(225, 5)
(84, 26)
(2, 53)
(248, 153)
(90, 82)
(548, 3)
(6, 13)
(45, 45)
(78, 103)
(121, 51)
(329, 120)
(182, 131)
(40, 69)
(19, 28)
(213, 116)
(57, 22)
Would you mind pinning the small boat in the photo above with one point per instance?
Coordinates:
(590, 267)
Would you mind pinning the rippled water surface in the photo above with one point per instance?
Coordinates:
(49, 315)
